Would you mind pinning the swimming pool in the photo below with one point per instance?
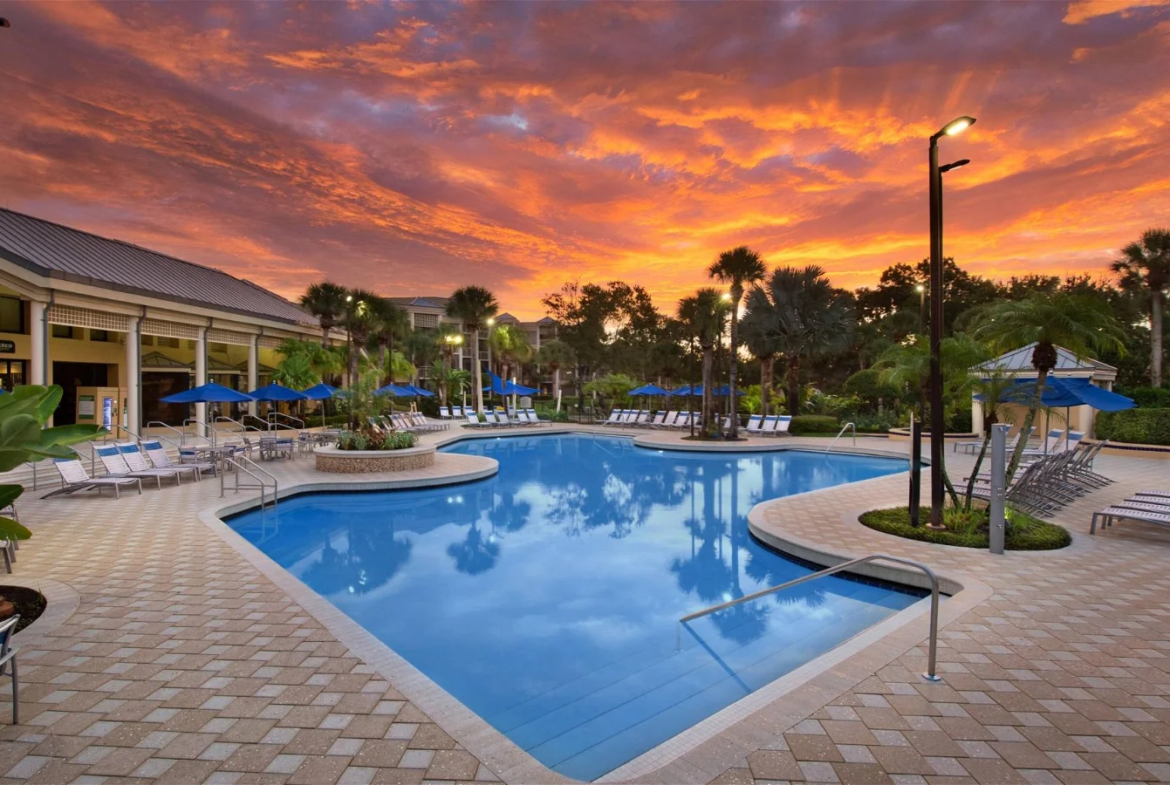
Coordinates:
(546, 599)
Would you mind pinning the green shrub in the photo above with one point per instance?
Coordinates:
(969, 529)
(813, 423)
(1147, 397)
(1135, 426)
(876, 423)
(363, 440)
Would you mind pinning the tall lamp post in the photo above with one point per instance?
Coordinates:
(937, 436)
(348, 340)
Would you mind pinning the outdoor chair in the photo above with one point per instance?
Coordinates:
(683, 422)
(158, 456)
(137, 462)
(782, 423)
(533, 417)
(8, 661)
(659, 418)
(116, 466)
(667, 421)
(1051, 442)
(473, 420)
(768, 426)
(74, 478)
(1146, 513)
(444, 413)
(753, 424)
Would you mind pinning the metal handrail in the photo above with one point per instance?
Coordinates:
(182, 434)
(846, 427)
(242, 464)
(256, 417)
(288, 417)
(197, 421)
(930, 675)
(243, 427)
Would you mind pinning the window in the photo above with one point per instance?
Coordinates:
(11, 315)
(11, 373)
(99, 335)
(162, 340)
(148, 340)
(62, 331)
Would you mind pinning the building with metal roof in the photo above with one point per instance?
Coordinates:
(97, 314)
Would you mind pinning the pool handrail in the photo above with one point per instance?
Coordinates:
(931, 659)
(158, 423)
(249, 467)
(840, 433)
(280, 419)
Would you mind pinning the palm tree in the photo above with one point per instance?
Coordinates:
(1083, 325)
(1146, 265)
(452, 381)
(703, 315)
(757, 329)
(360, 322)
(511, 347)
(388, 322)
(736, 267)
(994, 388)
(473, 305)
(811, 319)
(554, 355)
(326, 301)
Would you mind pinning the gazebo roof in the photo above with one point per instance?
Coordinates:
(1019, 361)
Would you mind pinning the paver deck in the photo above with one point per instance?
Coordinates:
(183, 662)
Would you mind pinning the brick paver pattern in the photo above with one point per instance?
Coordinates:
(183, 663)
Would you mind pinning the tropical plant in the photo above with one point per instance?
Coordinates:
(1145, 265)
(702, 314)
(807, 317)
(360, 322)
(555, 355)
(510, 345)
(762, 340)
(737, 267)
(1082, 325)
(326, 301)
(323, 362)
(473, 305)
(388, 323)
(994, 388)
(295, 372)
(24, 438)
(613, 386)
(452, 381)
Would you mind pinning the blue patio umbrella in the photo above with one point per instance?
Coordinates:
(649, 389)
(209, 393)
(511, 388)
(687, 389)
(1067, 392)
(276, 392)
(321, 392)
(418, 391)
(723, 391)
(394, 390)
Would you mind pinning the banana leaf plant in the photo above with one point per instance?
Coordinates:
(24, 438)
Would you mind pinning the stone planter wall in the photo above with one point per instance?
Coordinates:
(335, 461)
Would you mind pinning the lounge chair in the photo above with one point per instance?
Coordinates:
(1051, 442)
(473, 420)
(158, 456)
(782, 423)
(74, 478)
(534, 418)
(768, 426)
(134, 458)
(667, 421)
(683, 422)
(116, 466)
(1109, 514)
(753, 424)
(8, 661)
(659, 418)
(444, 413)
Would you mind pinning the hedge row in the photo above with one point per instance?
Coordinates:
(813, 423)
(1135, 426)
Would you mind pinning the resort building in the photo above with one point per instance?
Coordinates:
(119, 326)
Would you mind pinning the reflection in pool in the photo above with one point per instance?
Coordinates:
(547, 598)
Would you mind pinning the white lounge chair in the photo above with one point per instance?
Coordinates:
(667, 420)
(753, 424)
(683, 422)
(1050, 443)
(74, 478)
(768, 426)
(158, 456)
(533, 417)
(116, 466)
(134, 458)
(783, 421)
(473, 420)
(659, 418)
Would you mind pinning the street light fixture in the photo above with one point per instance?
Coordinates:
(937, 436)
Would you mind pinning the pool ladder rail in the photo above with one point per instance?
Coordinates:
(262, 479)
(841, 433)
(931, 658)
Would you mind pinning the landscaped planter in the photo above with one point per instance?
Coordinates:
(335, 461)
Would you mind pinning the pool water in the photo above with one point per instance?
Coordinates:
(546, 599)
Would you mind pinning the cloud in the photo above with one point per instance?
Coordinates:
(414, 148)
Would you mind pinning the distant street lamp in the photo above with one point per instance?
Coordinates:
(937, 435)
(348, 341)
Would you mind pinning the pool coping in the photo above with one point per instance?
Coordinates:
(804, 689)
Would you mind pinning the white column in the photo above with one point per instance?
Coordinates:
(38, 372)
(976, 416)
(201, 378)
(253, 370)
(133, 377)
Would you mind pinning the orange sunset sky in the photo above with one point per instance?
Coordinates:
(416, 147)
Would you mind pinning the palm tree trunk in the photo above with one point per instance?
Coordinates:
(765, 384)
(325, 337)
(705, 404)
(733, 370)
(382, 363)
(975, 473)
(793, 386)
(476, 370)
(556, 383)
(1026, 428)
(1157, 308)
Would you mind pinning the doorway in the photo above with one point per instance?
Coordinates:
(70, 376)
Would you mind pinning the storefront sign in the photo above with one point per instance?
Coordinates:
(7, 347)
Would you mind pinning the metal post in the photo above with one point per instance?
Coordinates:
(937, 435)
(998, 486)
(915, 469)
